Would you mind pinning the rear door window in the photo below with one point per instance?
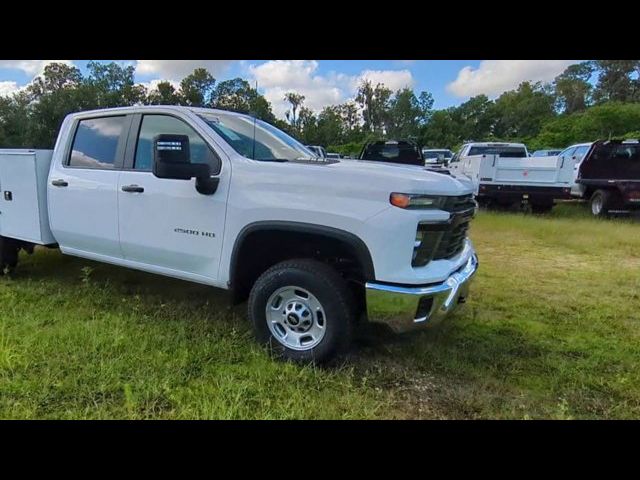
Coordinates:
(95, 144)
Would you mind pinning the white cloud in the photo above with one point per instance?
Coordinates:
(153, 84)
(30, 67)
(178, 69)
(7, 88)
(393, 79)
(493, 77)
(278, 77)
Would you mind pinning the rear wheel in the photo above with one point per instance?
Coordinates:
(9, 250)
(303, 310)
(541, 208)
(602, 201)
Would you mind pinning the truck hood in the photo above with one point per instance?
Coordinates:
(403, 178)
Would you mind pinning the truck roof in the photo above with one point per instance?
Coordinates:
(495, 144)
(151, 108)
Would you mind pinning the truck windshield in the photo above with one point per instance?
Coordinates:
(437, 153)
(256, 139)
(393, 152)
(512, 152)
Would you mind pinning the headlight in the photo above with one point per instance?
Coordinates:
(414, 201)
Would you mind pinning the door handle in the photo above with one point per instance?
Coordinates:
(59, 183)
(133, 189)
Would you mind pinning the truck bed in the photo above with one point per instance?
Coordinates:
(520, 172)
(23, 195)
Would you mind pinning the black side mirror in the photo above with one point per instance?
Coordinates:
(172, 159)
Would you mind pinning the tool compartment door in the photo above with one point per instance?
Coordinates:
(23, 206)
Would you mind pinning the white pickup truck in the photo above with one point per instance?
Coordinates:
(505, 174)
(226, 200)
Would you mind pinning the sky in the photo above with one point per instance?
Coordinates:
(328, 82)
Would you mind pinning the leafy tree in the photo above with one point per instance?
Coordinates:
(15, 122)
(350, 117)
(196, 89)
(407, 113)
(111, 85)
(163, 94)
(237, 95)
(443, 130)
(56, 93)
(477, 117)
(331, 128)
(375, 104)
(296, 100)
(615, 82)
(572, 87)
(599, 122)
(520, 113)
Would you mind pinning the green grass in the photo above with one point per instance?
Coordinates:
(551, 330)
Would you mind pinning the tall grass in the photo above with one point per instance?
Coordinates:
(551, 330)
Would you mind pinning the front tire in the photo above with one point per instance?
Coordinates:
(303, 310)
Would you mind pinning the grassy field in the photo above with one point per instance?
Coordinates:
(552, 330)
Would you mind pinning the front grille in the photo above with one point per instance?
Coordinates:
(459, 203)
(446, 240)
(451, 242)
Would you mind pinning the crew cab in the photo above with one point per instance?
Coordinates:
(609, 176)
(505, 174)
(229, 201)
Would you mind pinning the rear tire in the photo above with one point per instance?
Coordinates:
(541, 208)
(303, 311)
(9, 250)
(602, 201)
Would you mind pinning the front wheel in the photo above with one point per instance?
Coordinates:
(303, 310)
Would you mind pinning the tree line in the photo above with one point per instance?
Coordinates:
(590, 100)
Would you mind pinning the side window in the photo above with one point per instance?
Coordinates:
(567, 152)
(95, 143)
(580, 152)
(153, 125)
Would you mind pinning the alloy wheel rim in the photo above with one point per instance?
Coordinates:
(596, 205)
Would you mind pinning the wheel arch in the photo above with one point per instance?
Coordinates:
(286, 229)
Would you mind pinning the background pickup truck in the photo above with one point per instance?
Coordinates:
(609, 175)
(503, 173)
(229, 201)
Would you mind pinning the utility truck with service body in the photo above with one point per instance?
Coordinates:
(226, 200)
(505, 174)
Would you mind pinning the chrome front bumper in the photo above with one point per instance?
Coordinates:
(407, 308)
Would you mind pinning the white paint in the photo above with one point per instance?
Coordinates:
(93, 218)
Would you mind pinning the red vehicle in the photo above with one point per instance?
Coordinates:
(610, 173)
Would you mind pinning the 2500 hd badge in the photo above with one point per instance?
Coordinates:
(194, 232)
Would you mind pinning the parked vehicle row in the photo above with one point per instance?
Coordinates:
(505, 174)
(227, 200)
